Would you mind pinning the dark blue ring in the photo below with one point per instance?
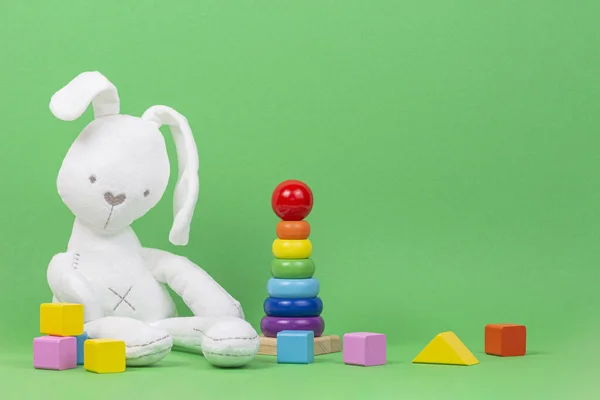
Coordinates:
(277, 307)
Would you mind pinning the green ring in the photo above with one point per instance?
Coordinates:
(292, 268)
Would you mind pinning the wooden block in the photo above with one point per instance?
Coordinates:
(323, 345)
(55, 352)
(446, 348)
(104, 356)
(365, 348)
(61, 319)
(505, 340)
(295, 347)
(80, 347)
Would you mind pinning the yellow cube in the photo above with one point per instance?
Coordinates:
(104, 356)
(61, 319)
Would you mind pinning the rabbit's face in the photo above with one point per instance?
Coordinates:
(115, 172)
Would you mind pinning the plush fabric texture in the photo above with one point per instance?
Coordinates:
(114, 173)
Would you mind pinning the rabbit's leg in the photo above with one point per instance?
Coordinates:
(218, 328)
(145, 344)
(224, 341)
(199, 291)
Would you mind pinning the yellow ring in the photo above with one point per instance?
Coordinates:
(283, 248)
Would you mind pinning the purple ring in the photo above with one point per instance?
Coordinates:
(270, 326)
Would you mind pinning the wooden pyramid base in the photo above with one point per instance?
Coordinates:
(323, 345)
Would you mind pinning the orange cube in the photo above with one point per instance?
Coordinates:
(506, 340)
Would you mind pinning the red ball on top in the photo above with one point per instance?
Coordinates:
(292, 200)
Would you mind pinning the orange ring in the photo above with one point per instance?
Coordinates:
(293, 230)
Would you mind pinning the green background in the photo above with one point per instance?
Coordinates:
(453, 151)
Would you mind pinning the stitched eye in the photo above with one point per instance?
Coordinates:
(146, 193)
(92, 178)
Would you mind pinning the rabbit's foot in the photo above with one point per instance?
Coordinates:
(225, 341)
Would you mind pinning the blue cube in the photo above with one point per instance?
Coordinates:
(295, 347)
(80, 341)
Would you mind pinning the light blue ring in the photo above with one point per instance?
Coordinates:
(293, 288)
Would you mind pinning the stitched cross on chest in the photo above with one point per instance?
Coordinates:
(122, 298)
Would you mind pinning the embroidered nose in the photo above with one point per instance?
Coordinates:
(114, 200)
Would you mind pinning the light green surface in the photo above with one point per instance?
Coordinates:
(452, 147)
(541, 375)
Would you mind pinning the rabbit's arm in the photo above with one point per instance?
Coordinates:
(199, 291)
(69, 286)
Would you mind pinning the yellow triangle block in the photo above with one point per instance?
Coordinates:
(446, 348)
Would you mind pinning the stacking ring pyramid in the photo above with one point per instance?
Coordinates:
(293, 303)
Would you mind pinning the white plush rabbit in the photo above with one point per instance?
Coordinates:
(115, 172)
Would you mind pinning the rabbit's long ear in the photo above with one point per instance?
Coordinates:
(70, 102)
(186, 189)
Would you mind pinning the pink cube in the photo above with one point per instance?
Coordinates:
(53, 352)
(364, 348)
